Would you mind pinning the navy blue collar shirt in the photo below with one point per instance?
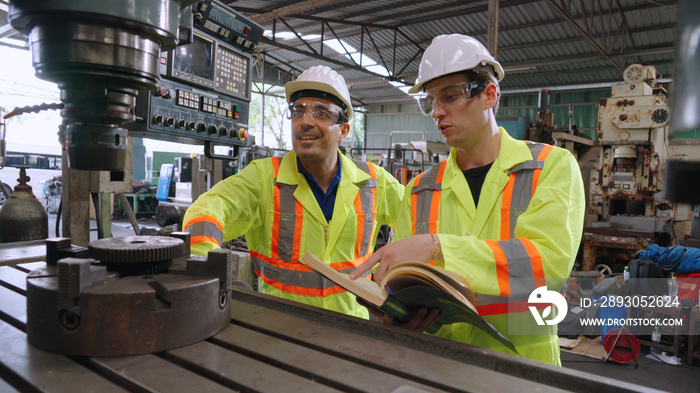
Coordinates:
(326, 200)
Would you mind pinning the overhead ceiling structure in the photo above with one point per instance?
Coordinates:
(377, 44)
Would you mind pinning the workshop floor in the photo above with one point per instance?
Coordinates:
(652, 374)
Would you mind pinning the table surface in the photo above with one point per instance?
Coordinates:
(274, 345)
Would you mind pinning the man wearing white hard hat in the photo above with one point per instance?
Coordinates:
(504, 213)
(313, 199)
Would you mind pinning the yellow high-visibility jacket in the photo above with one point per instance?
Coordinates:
(524, 234)
(272, 204)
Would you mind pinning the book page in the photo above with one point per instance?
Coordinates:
(416, 273)
(362, 287)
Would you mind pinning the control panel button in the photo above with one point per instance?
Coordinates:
(243, 134)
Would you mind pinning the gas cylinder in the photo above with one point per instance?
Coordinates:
(23, 217)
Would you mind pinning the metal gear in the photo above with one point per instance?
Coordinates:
(136, 255)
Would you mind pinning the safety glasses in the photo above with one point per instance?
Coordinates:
(321, 113)
(449, 96)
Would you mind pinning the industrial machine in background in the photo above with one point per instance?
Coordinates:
(625, 212)
(183, 181)
(404, 160)
(543, 127)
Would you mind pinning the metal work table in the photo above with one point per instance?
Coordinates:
(21, 252)
(274, 345)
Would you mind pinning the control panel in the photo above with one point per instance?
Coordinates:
(180, 113)
(209, 64)
(217, 19)
(205, 88)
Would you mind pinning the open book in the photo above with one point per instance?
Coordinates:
(408, 286)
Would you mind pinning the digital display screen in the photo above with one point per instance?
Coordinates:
(195, 58)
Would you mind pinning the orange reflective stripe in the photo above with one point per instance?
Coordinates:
(350, 264)
(199, 239)
(275, 166)
(414, 203)
(535, 262)
(501, 267)
(208, 219)
(545, 152)
(316, 292)
(360, 224)
(435, 200)
(372, 171)
(505, 207)
(441, 172)
(296, 250)
(300, 267)
(541, 157)
(509, 307)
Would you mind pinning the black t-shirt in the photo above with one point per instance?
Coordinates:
(475, 178)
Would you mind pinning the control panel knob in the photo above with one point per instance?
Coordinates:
(169, 122)
(201, 127)
(180, 123)
(158, 119)
(191, 125)
(223, 131)
(211, 130)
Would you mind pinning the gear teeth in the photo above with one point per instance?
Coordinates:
(135, 249)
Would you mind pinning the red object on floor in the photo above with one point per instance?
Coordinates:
(689, 286)
(621, 353)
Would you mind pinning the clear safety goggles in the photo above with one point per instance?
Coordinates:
(321, 112)
(449, 96)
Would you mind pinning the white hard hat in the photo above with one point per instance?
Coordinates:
(450, 53)
(324, 80)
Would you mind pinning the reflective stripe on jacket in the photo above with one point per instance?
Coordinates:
(524, 234)
(271, 203)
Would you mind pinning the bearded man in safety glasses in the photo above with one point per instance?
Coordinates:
(504, 213)
(312, 200)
